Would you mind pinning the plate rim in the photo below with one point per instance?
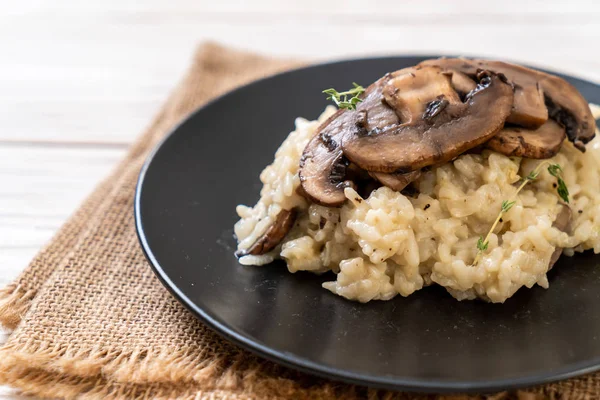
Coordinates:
(302, 364)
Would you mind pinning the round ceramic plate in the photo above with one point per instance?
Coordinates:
(185, 211)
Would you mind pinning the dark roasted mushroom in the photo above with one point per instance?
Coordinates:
(538, 95)
(544, 142)
(396, 181)
(563, 223)
(322, 166)
(273, 236)
(436, 126)
(462, 83)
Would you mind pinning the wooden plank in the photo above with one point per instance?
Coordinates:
(41, 187)
(313, 7)
(99, 72)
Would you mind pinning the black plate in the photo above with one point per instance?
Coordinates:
(185, 211)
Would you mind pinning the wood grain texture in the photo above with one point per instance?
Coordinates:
(80, 79)
(41, 186)
(95, 72)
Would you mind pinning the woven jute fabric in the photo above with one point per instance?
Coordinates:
(91, 320)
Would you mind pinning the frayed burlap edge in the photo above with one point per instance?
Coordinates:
(34, 382)
(14, 302)
(138, 374)
(139, 368)
(221, 379)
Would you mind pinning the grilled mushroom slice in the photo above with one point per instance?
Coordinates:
(396, 181)
(563, 223)
(529, 109)
(323, 165)
(436, 126)
(538, 95)
(462, 83)
(273, 236)
(544, 142)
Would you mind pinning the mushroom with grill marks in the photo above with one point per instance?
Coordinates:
(538, 96)
(273, 236)
(434, 125)
(544, 142)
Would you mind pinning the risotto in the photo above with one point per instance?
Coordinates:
(387, 242)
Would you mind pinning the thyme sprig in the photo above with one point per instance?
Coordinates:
(348, 99)
(556, 171)
(553, 169)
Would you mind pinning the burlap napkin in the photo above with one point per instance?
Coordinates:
(91, 320)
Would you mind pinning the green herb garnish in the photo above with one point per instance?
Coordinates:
(532, 175)
(507, 205)
(555, 170)
(348, 99)
(481, 244)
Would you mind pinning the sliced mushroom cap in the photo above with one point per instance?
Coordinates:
(418, 93)
(563, 219)
(562, 222)
(570, 109)
(529, 109)
(554, 257)
(322, 166)
(273, 236)
(538, 95)
(396, 181)
(436, 125)
(462, 83)
(544, 142)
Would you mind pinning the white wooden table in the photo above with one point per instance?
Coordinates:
(80, 79)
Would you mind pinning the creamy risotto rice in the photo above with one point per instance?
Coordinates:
(389, 243)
